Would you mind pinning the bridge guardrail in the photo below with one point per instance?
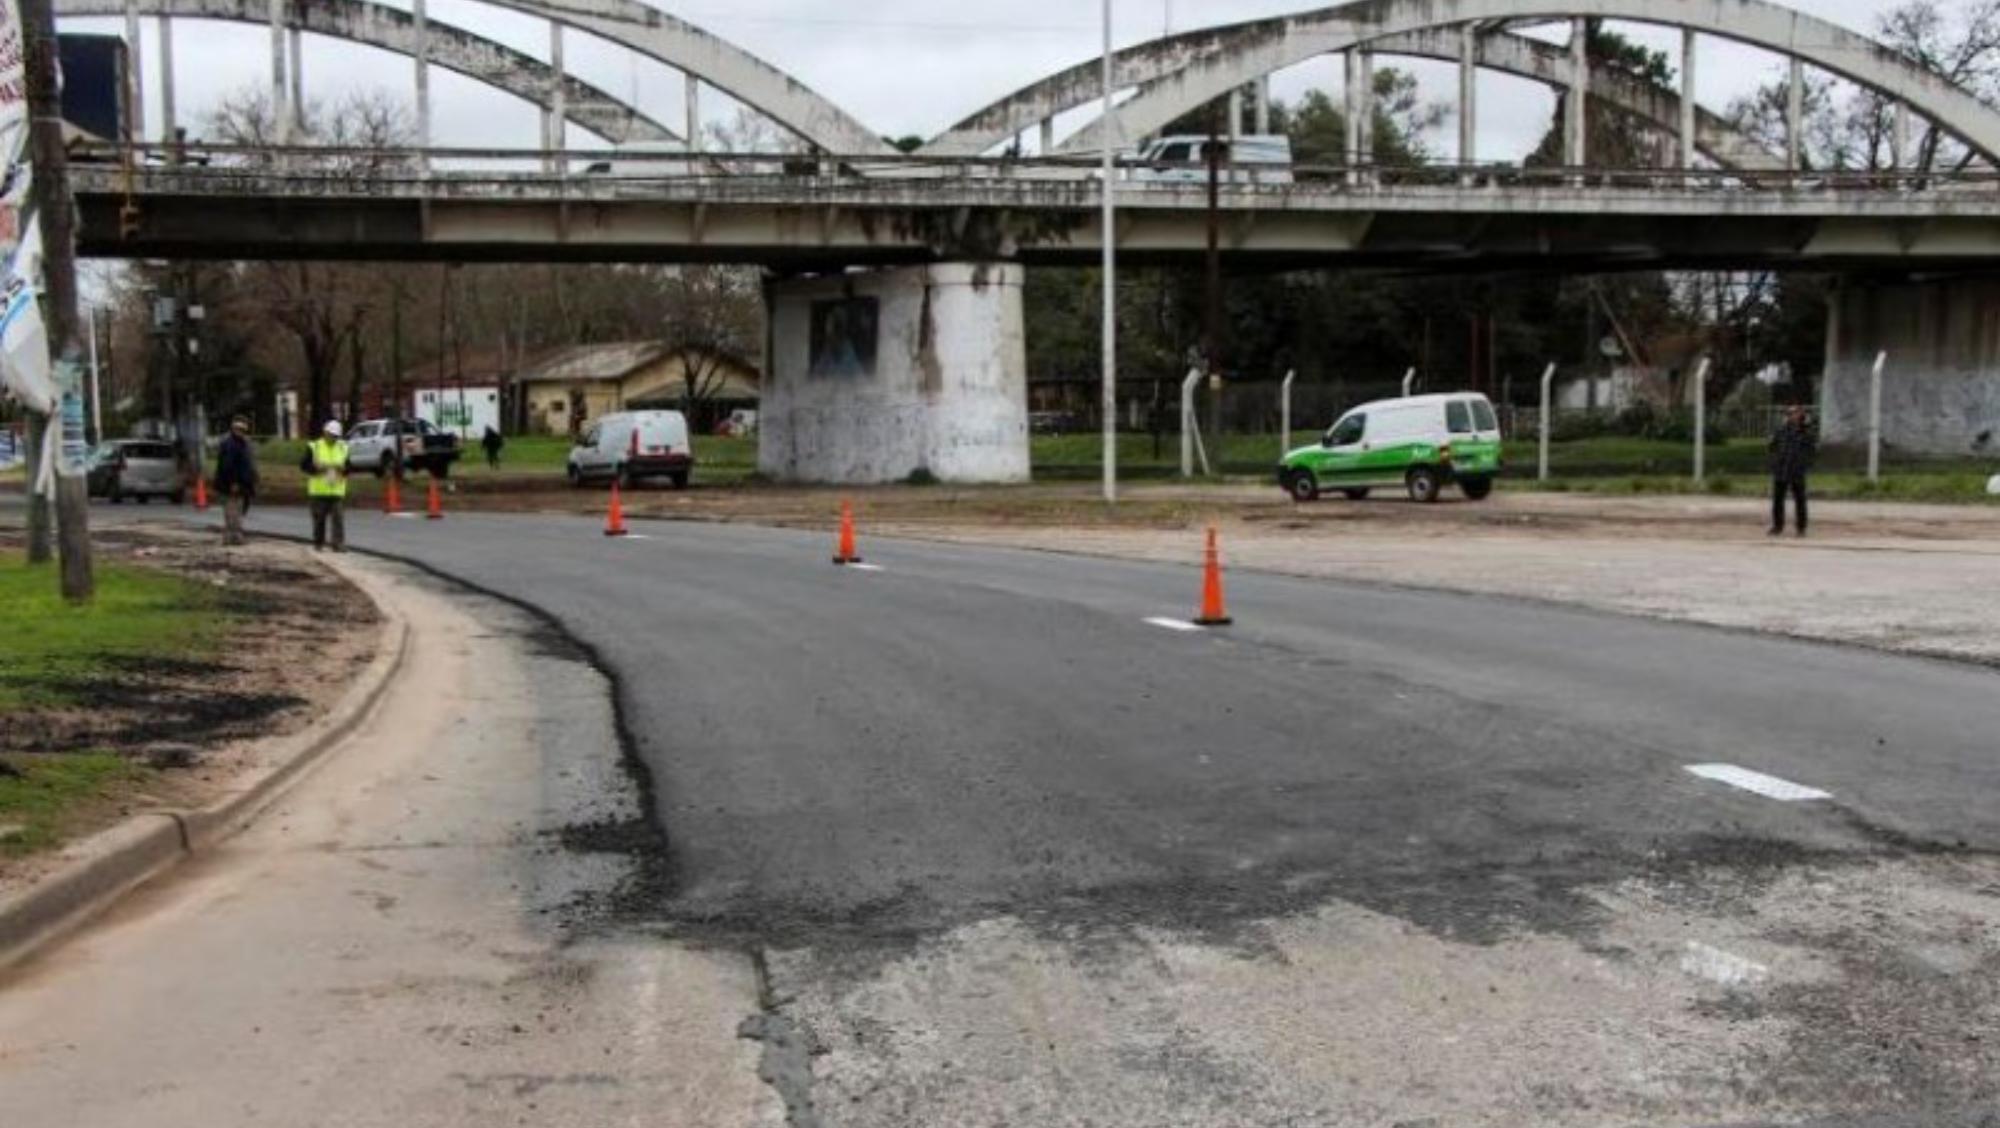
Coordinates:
(327, 165)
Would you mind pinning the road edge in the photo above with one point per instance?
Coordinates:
(116, 861)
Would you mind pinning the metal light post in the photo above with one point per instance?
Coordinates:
(1875, 417)
(1701, 421)
(1548, 405)
(96, 394)
(1285, 414)
(1109, 406)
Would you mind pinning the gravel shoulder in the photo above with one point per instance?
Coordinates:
(1904, 578)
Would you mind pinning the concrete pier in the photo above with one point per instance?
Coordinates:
(1941, 389)
(877, 376)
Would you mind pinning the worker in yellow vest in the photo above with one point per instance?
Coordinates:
(326, 486)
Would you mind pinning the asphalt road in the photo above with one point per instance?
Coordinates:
(971, 730)
(1005, 850)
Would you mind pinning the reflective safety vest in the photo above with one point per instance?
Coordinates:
(329, 465)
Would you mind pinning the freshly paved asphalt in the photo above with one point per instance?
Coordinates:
(971, 731)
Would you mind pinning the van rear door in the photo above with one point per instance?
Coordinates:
(663, 434)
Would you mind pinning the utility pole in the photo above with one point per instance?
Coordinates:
(55, 211)
(1108, 393)
(1212, 327)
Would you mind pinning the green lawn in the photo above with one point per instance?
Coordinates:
(50, 648)
(40, 795)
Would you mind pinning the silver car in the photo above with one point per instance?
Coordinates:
(139, 468)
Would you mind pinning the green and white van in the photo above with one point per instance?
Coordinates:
(1422, 443)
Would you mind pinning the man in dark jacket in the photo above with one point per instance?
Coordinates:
(1793, 446)
(235, 478)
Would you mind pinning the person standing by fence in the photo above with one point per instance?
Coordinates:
(1793, 446)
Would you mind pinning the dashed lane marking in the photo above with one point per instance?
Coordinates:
(866, 567)
(1770, 787)
(1174, 624)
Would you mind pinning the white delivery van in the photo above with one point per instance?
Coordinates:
(1253, 159)
(633, 445)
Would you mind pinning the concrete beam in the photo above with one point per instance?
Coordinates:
(226, 212)
(455, 49)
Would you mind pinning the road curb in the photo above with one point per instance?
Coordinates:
(114, 862)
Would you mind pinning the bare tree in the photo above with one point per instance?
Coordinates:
(321, 305)
(714, 318)
(1856, 131)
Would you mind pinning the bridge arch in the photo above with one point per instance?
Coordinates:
(453, 48)
(1517, 55)
(1183, 72)
(648, 31)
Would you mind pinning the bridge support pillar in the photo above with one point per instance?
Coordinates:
(1941, 390)
(874, 377)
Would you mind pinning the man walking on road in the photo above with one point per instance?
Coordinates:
(1793, 446)
(235, 478)
(326, 486)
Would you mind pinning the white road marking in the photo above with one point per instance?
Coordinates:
(1717, 966)
(1174, 624)
(866, 567)
(1770, 787)
(404, 516)
(631, 537)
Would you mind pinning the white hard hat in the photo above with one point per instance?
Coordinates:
(333, 428)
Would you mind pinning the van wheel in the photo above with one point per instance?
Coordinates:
(680, 480)
(1424, 485)
(1302, 486)
(382, 466)
(1476, 489)
(575, 477)
(625, 478)
(1356, 495)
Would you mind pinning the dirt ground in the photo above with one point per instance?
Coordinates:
(1916, 579)
(200, 724)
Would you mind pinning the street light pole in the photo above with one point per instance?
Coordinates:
(1109, 406)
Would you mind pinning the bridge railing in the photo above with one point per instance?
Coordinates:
(359, 170)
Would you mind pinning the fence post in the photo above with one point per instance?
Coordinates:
(1875, 418)
(1285, 415)
(1188, 421)
(1409, 382)
(1548, 411)
(1701, 421)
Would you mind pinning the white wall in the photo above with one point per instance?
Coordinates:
(948, 393)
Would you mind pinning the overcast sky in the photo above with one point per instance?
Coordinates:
(901, 66)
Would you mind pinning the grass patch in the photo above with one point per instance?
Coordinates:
(42, 796)
(51, 648)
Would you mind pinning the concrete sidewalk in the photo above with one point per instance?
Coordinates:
(425, 932)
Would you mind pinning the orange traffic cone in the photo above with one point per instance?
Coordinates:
(434, 511)
(845, 552)
(614, 522)
(1212, 613)
(200, 492)
(392, 497)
